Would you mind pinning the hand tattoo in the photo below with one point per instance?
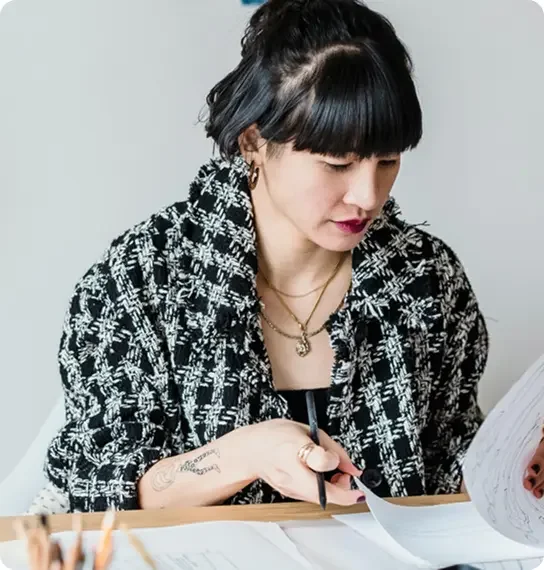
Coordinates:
(164, 477)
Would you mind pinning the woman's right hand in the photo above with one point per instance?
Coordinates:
(273, 448)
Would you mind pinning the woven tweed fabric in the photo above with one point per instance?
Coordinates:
(162, 352)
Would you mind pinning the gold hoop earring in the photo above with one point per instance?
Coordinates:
(253, 176)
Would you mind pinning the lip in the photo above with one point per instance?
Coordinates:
(352, 226)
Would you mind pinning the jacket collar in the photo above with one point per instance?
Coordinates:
(222, 238)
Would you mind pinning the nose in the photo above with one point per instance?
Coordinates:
(364, 191)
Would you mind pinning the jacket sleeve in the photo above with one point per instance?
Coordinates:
(113, 374)
(455, 415)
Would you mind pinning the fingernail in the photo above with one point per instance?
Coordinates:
(540, 493)
(532, 481)
(361, 499)
(536, 468)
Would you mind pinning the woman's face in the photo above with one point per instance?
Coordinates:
(329, 201)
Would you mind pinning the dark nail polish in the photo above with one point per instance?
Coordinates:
(536, 468)
(532, 481)
(361, 499)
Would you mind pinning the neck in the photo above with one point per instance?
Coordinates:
(288, 259)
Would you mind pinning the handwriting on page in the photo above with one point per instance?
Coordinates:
(498, 456)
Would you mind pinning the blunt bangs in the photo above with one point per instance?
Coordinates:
(348, 102)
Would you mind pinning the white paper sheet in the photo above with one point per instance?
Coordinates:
(498, 456)
(443, 535)
(204, 546)
(330, 545)
(368, 527)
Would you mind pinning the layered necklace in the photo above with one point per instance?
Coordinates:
(303, 346)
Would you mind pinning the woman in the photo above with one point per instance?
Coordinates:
(187, 349)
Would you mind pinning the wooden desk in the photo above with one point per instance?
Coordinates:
(173, 517)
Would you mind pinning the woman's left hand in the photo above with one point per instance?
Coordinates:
(534, 476)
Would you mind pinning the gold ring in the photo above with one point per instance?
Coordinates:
(305, 450)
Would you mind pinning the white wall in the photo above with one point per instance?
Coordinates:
(99, 101)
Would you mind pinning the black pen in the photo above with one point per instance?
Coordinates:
(312, 420)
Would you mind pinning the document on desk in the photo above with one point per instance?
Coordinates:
(203, 546)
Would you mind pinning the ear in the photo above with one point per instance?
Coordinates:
(252, 145)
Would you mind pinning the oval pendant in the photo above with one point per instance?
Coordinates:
(303, 346)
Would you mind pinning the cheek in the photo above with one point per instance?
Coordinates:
(389, 180)
(319, 204)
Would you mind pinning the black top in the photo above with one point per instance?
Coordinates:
(296, 399)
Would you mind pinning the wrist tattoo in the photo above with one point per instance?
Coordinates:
(192, 465)
(164, 477)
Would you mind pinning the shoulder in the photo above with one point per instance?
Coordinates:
(141, 256)
(429, 255)
(152, 239)
(408, 258)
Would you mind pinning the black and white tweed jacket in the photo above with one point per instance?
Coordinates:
(162, 351)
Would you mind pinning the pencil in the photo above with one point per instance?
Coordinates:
(104, 547)
(139, 547)
(312, 420)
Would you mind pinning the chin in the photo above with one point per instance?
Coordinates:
(342, 244)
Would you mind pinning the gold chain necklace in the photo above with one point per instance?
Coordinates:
(303, 346)
(300, 295)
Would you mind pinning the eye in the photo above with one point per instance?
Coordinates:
(338, 167)
(389, 163)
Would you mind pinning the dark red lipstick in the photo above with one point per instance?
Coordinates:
(352, 226)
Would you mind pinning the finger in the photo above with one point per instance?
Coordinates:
(536, 465)
(342, 480)
(335, 478)
(305, 488)
(321, 460)
(345, 497)
(538, 487)
(344, 464)
(534, 478)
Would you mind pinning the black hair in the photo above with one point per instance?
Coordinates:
(329, 76)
